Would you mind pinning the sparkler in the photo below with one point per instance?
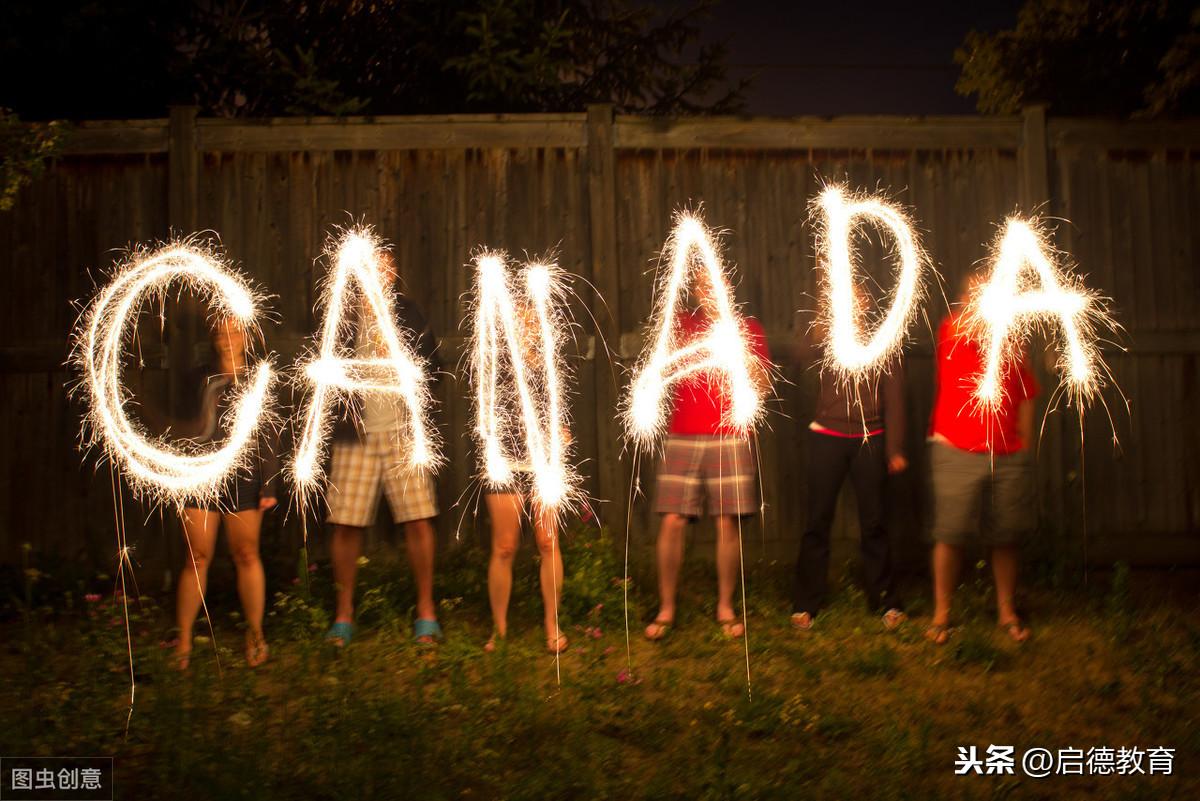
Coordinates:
(178, 474)
(336, 372)
(722, 350)
(531, 399)
(1028, 288)
(845, 351)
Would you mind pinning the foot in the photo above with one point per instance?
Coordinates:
(257, 651)
(893, 619)
(659, 628)
(556, 644)
(1016, 630)
(490, 646)
(181, 660)
(802, 621)
(938, 633)
(732, 627)
(340, 633)
(427, 631)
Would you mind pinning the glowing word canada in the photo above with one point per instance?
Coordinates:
(521, 324)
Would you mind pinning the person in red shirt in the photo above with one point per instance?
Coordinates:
(980, 467)
(703, 456)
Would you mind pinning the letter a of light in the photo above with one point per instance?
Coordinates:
(1026, 289)
(722, 350)
(157, 470)
(845, 352)
(398, 372)
(529, 399)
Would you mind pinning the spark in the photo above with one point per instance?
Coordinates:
(838, 213)
(335, 373)
(525, 325)
(722, 350)
(1028, 288)
(175, 473)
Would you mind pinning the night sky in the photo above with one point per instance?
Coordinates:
(829, 58)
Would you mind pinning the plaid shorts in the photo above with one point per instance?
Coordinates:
(694, 466)
(358, 470)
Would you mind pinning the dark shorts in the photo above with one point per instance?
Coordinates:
(721, 468)
(978, 497)
(240, 494)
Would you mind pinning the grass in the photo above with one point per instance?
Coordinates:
(847, 710)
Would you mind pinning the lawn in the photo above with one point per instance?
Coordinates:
(845, 711)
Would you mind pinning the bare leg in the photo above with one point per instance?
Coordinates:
(728, 561)
(200, 528)
(946, 561)
(545, 534)
(422, 543)
(243, 530)
(505, 512)
(669, 549)
(1004, 568)
(344, 551)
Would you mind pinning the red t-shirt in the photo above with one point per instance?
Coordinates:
(699, 403)
(956, 414)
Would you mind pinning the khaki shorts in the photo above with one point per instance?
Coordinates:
(359, 468)
(980, 498)
(693, 467)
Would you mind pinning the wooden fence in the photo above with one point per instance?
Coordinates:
(599, 191)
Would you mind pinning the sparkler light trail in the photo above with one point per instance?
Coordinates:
(181, 473)
(522, 330)
(336, 372)
(837, 213)
(1026, 289)
(722, 350)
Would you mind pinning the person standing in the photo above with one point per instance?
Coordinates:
(506, 506)
(857, 431)
(705, 457)
(370, 456)
(250, 493)
(981, 472)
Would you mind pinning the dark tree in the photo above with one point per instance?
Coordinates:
(1088, 57)
(130, 58)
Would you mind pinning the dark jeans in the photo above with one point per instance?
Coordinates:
(830, 459)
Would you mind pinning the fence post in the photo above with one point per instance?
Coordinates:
(183, 188)
(1034, 159)
(1057, 449)
(606, 301)
(183, 176)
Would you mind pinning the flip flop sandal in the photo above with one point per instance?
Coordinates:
(1012, 628)
(661, 629)
(728, 626)
(938, 634)
(894, 619)
(426, 631)
(557, 645)
(257, 654)
(340, 634)
(802, 621)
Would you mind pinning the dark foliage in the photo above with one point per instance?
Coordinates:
(1089, 57)
(131, 58)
